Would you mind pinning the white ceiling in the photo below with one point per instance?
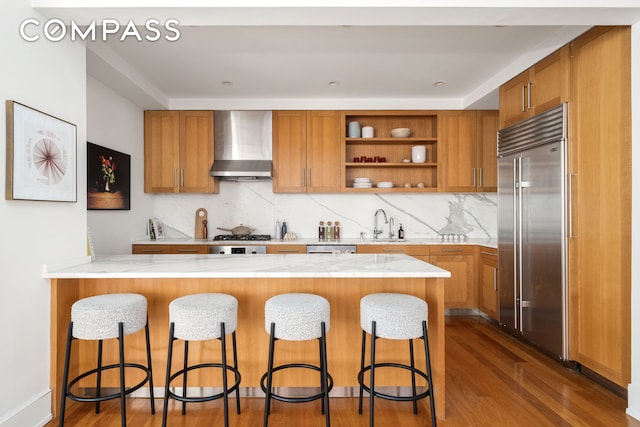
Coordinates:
(381, 57)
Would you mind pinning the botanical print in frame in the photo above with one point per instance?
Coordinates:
(41, 156)
(108, 178)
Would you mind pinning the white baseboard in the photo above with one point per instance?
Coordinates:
(35, 413)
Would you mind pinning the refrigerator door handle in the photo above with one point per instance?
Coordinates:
(519, 250)
(570, 213)
(515, 243)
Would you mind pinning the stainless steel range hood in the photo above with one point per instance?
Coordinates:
(242, 145)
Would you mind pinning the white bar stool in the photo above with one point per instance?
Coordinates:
(398, 317)
(99, 318)
(203, 317)
(297, 317)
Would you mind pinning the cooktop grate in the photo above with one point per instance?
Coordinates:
(248, 237)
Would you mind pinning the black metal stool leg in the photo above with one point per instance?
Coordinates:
(168, 377)
(225, 394)
(151, 396)
(235, 365)
(267, 401)
(123, 406)
(362, 351)
(325, 376)
(429, 374)
(99, 375)
(372, 373)
(184, 377)
(321, 372)
(65, 376)
(413, 377)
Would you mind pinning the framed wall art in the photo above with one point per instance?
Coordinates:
(41, 156)
(108, 178)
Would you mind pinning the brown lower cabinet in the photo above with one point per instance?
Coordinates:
(286, 249)
(461, 291)
(488, 296)
(151, 249)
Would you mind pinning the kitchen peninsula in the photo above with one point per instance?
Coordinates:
(341, 278)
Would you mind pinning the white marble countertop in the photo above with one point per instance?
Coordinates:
(250, 266)
(490, 243)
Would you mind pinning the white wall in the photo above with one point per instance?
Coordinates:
(49, 77)
(114, 122)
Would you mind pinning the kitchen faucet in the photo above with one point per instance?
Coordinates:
(375, 223)
(392, 223)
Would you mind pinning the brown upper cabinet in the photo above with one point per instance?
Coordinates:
(306, 152)
(469, 150)
(178, 152)
(541, 87)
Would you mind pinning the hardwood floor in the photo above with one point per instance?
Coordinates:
(492, 378)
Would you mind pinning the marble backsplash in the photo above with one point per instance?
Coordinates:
(253, 204)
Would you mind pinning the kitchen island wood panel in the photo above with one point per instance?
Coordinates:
(344, 334)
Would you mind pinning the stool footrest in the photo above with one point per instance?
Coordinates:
(181, 372)
(390, 396)
(77, 398)
(302, 398)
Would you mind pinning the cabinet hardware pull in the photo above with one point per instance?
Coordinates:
(523, 89)
(529, 96)
(452, 250)
(474, 178)
(488, 253)
(303, 177)
(181, 177)
(571, 235)
(495, 282)
(480, 173)
(187, 250)
(397, 251)
(292, 251)
(150, 250)
(175, 177)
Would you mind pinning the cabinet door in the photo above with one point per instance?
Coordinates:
(513, 100)
(460, 290)
(549, 84)
(600, 179)
(289, 151)
(489, 282)
(196, 152)
(487, 151)
(459, 142)
(324, 157)
(161, 151)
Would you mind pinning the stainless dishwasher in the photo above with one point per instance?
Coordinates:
(331, 249)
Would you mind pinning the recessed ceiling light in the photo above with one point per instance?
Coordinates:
(226, 83)
(334, 83)
(439, 83)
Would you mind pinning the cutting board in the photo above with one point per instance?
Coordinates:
(201, 224)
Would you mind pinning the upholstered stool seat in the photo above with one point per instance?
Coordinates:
(99, 318)
(297, 317)
(398, 317)
(203, 317)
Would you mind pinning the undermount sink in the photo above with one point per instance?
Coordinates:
(383, 240)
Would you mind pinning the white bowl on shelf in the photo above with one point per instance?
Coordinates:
(385, 184)
(400, 132)
(361, 180)
(362, 185)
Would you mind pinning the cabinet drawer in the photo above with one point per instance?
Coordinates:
(150, 249)
(413, 250)
(286, 249)
(189, 249)
(451, 250)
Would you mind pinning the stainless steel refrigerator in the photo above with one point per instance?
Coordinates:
(532, 224)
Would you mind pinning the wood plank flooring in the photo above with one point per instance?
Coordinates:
(492, 378)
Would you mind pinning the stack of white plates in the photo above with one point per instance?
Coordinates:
(385, 184)
(362, 183)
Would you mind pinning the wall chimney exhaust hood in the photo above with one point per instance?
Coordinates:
(242, 145)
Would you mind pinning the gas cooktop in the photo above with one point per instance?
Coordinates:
(248, 237)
